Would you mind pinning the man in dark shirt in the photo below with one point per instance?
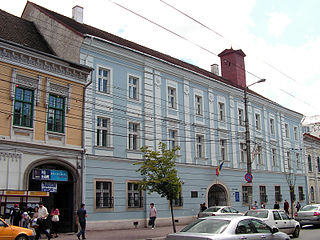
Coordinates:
(81, 219)
(15, 215)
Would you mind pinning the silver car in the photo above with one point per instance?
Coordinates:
(309, 214)
(228, 228)
(219, 210)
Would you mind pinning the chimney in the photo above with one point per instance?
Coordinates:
(77, 14)
(232, 66)
(215, 69)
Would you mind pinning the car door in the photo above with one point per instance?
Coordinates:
(262, 230)
(277, 221)
(5, 231)
(287, 223)
(244, 230)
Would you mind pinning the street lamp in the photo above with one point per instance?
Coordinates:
(246, 122)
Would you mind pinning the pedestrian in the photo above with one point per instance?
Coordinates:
(255, 205)
(55, 220)
(298, 206)
(15, 215)
(35, 218)
(262, 205)
(153, 214)
(81, 219)
(43, 222)
(25, 220)
(276, 205)
(204, 207)
(286, 206)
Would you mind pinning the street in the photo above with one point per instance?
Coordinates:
(309, 233)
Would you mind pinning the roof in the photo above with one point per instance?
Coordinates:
(228, 51)
(23, 32)
(308, 135)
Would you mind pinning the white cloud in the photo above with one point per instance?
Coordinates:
(277, 23)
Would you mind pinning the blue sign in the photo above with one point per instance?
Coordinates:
(50, 175)
(237, 196)
(49, 187)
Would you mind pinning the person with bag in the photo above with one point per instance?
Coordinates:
(43, 222)
(153, 214)
(55, 220)
(81, 219)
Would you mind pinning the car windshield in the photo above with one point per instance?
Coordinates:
(212, 209)
(213, 226)
(258, 214)
(309, 208)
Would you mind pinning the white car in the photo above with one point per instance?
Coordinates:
(228, 227)
(277, 218)
(219, 210)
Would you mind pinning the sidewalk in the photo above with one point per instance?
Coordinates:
(129, 234)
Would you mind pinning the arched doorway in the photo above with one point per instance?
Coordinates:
(62, 181)
(217, 196)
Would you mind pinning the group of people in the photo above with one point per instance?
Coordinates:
(286, 206)
(40, 220)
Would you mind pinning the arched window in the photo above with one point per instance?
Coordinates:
(312, 194)
(309, 163)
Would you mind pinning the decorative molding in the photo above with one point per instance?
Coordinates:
(186, 90)
(211, 97)
(60, 90)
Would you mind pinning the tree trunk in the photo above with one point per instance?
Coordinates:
(172, 216)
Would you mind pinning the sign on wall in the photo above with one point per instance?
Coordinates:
(50, 175)
(49, 187)
(237, 196)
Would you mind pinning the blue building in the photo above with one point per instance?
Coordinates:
(139, 97)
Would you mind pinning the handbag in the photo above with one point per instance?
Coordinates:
(150, 222)
(55, 218)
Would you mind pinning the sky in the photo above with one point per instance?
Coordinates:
(280, 38)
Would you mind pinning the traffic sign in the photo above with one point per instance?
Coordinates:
(248, 177)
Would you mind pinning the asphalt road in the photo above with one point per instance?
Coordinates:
(310, 233)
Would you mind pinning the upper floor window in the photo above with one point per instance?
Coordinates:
(56, 113)
(289, 160)
(200, 146)
(309, 163)
(104, 198)
(259, 154)
(104, 80)
(318, 163)
(286, 128)
(243, 152)
(222, 112)
(133, 87)
(172, 98)
(258, 121)
(172, 138)
(295, 131)
(198, 106)
(223, 149)
(135, 198)
(103, 132)
(274, 157)
(23, 107)
(272, 131)
(298, 160)
(134, 132)
(241, 116)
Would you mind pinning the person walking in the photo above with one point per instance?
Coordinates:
(298, 206)
(55, 220)
(43, 222)
(276, 205)
(204, 207)
(286, 206)
(15, 215)
(81, 219)
(153, 214)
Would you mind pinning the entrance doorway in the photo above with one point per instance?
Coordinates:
(61, 191)
(217, 196)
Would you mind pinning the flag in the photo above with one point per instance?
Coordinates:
(218, 170)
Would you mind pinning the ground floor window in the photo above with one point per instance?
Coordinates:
(301, 194)
(178, 202)
(135, 198)
(246, 194)
(104, 198)
(263, 194)
(277, 193)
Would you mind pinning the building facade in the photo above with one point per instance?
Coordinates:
(139, 97)
(41, 147)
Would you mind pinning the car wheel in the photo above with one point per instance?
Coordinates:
(296, 232)
(22, 237)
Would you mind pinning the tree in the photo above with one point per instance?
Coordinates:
(159, 174)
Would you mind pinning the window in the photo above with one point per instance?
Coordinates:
(178, 202)
(260, 226)
(298, 160)
(198, 101)
(309, 163)
(277, 193)
(23, 107)
(172, 98)
(301, 194)
(318, 164)
(200, 146)
(246, 194)
(135, 199)
(289, 160)
(103, 132)
(56, 113)
(258, 121)
(241, 116)
(172, 139)
(263, 194)
(133, 87)
(223, 150)
(276, 215)
(222, 112)
(286, 128)
(194, 194)
(104, 80)
(259, 155)
(134, 136)
(295, 130)
(284, 215)
(274, 157)
(312, 193)
(243, 153)
(272, 126)
(104, 198)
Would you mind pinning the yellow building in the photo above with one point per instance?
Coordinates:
(41, 120)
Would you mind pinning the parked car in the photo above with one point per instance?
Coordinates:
(10, 232)
(277, 218)
(228, 228)
(309, 214)
(218, 211)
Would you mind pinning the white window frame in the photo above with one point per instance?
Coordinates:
(243, 152)
(259, 155)
(99, 131)
(295, 132)
(133, 87)
(274, 157)
(133, 136)
(286, 129)
(198, 105)
(200, 146)
(223, 149)
(288, 157)
(172, 97)
(222, 111)
(272, 126)
(134, 194)
(108, 79)
(172, 138)
(298, 160)
(257, 118)
(241, 116)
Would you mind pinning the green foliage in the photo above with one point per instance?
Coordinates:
(158, 172)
